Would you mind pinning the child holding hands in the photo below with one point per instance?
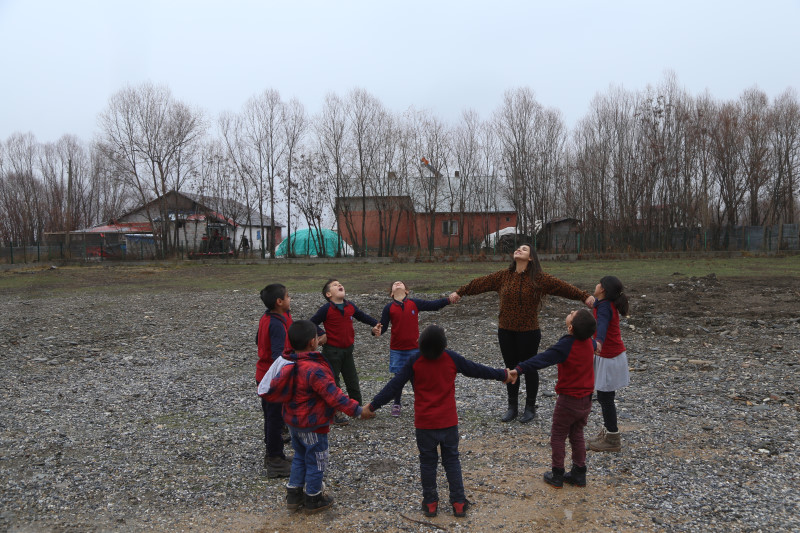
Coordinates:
(610, 360)
(403, 314)
(307, 381)
(574, 354)
(434, 371)
(337, 315)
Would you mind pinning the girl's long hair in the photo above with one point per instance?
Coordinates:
(614, 292)
(534, 267)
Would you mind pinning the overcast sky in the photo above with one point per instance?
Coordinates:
(61, 60)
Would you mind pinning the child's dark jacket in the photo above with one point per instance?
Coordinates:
(272, 340)
(404, 317)
(339, 323)
(434, 387)
(575, 360)
(314, 397)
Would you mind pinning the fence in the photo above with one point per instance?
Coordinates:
(767, 239)
(763, 239)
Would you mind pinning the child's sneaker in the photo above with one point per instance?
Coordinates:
(339, 420)
(295, 497)
(396, 409)
(460, 508)
(430, 509)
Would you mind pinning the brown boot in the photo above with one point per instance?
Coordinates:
(609, 442)
(597, 438)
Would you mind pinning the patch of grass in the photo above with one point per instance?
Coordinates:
(359, 278)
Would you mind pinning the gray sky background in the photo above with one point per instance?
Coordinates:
(61, 60)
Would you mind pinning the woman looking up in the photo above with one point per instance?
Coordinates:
(521, 288)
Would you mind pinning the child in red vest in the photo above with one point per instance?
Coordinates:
(403, 314)
(434, 371)
(610, 360)
(272, 340)
(337, 316)
(574, 355)
(305, 382)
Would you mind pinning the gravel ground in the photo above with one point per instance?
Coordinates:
(138, 412)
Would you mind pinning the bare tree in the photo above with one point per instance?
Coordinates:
(148, 133)
(785, 136)
(756, 150)
(295, 124)
(331, 135)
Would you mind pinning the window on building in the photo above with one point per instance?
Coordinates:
(449, 227)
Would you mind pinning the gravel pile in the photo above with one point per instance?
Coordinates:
(138, 412)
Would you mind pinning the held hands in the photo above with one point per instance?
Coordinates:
(322, 339)
(367, 413)
(589, 302)
(454, 298)
(376, 329)
(599, 347)
(512, 376)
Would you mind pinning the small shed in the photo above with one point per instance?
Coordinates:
(560, 236)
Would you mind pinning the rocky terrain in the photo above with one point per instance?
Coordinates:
(136, 411)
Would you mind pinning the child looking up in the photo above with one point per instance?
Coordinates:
(337, 316)
(610, 360)
(434, 371)
(313, 399)
(403, 314)
(273, 340)
(573, 353)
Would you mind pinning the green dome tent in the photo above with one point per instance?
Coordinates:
(306, 242)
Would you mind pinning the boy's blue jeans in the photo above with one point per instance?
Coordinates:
(428, 442)
(310, 460)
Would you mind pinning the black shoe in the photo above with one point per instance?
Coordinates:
(340, 420)
(278, 467)
(528, 415)
(576, 476)
(295, 497)
(460, 508)
(555, 477)
(430, 509)
(317, 503)
(510, 415)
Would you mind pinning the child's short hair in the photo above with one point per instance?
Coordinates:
(583, 324)
(301, 333)
(326, 287)
(271, 293)
(401, 281)
(432, 341)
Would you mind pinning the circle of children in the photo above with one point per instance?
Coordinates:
(299, 386)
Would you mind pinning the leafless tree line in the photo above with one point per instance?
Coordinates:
(638, 163)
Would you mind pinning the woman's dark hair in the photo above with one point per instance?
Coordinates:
(533, 265)
(301, 333)
(614, 292)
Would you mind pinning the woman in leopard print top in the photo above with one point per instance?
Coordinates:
(521, 288)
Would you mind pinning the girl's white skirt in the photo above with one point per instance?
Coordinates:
(611, 374)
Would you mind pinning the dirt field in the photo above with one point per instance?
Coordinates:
(129, 405)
